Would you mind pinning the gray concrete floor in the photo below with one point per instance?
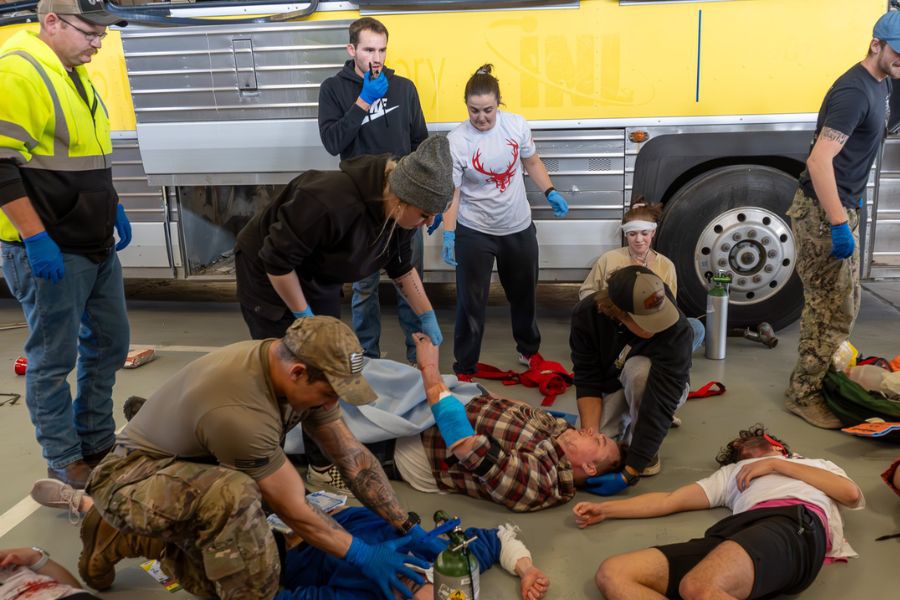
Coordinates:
(755, 377)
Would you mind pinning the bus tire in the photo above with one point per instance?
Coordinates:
(733, 218)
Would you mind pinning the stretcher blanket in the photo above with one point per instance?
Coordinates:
(399, 411)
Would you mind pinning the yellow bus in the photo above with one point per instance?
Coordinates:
(707, 107)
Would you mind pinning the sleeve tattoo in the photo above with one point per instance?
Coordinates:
(360, 470)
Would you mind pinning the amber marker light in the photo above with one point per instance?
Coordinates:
(638, 136)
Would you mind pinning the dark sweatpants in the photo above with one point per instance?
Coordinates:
(517, 267)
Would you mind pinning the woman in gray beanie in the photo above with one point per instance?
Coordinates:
(328, 228)
(490, 219)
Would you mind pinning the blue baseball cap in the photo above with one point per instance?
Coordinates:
(887, 29)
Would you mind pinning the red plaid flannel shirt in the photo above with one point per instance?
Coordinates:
(531, 471)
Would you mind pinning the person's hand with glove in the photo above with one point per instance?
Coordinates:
(123, 228)
(428, 323)
(44, 257)
(373, 89)
(607, 484)
(426, 543)
(306, 312)
(383, 562)
(448, 251)
(557, 202)
(842, 242)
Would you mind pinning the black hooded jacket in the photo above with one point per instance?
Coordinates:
(394, 124)
(328, 226)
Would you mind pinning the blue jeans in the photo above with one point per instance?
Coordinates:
(366, 309)
(699, 333)
(80, 321)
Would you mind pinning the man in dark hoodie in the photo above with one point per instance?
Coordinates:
(367, 109)
(631, 350)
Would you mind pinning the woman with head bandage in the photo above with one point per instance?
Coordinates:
(638, 227)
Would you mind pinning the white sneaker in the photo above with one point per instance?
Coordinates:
(56, 494)
(522, 360)
(330, 478)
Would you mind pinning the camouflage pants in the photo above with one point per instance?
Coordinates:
(832, 293)
(218, 543)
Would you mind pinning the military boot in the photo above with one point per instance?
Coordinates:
(102, 546)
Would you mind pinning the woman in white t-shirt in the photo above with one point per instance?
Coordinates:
(639, 227)
(490, 219)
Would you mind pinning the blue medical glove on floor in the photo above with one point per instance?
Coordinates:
(448, 252)
(382, 564)
(373, 89)
(306, 312)
(44, 257)
(559, 204)
(607, 484)
(123, 228)
(430, 327)
(841, 241)
(438, 219)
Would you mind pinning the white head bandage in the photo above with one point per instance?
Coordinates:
(638, 226)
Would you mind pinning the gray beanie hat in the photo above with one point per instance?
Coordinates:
(425, 178)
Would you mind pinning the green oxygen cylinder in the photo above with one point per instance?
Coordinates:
(456, 568)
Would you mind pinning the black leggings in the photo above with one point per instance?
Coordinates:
(517, 266)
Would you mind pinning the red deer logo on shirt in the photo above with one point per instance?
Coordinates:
(500, 178)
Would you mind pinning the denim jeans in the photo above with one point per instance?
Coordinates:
(366, 309)
(699, 331)
(80, 322)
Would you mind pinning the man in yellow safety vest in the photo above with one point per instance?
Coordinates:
(59, 211)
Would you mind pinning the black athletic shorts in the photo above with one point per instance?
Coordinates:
(786, 544)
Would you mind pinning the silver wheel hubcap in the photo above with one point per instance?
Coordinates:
(754, 245)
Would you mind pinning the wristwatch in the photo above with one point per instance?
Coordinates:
(629, 477)
(412, 519)
(42, 561)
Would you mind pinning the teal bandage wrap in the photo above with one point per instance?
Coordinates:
(450, 416)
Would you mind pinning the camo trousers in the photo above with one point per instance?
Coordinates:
(831, 292)
(218, 543)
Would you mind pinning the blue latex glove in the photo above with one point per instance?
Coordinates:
(430, 327)
(382, 563)
(306, 312)
(448, 252)
(426, 543)
(841, 241)
(560, 207)
(438, 219)
(451, 420)
(373, 89)
(123, 228)
(44, 257)
(607, 484)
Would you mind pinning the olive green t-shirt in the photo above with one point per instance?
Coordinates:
(221, 408)
(614, 260)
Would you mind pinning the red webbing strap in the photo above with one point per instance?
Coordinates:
(707, 390)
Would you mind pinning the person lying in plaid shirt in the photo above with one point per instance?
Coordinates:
(498, 449)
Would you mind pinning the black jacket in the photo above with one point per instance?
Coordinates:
(328, 226)
(394, 124)
(596, 342)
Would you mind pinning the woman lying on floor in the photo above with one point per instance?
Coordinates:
(310, 574)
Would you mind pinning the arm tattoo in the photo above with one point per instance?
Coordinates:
(326, 518)
(360, 470)
(833, 135)
(408, 285)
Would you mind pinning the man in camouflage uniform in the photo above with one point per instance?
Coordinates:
(851, 125)
(185, 480)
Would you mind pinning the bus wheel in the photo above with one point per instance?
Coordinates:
(732, 218)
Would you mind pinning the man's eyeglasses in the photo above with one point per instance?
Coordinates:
(88, 35)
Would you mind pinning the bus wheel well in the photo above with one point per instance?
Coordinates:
(782, 163)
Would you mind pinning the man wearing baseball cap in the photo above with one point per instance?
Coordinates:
(852, 123)
(187, 475)
(59, 214)
(631, 349)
